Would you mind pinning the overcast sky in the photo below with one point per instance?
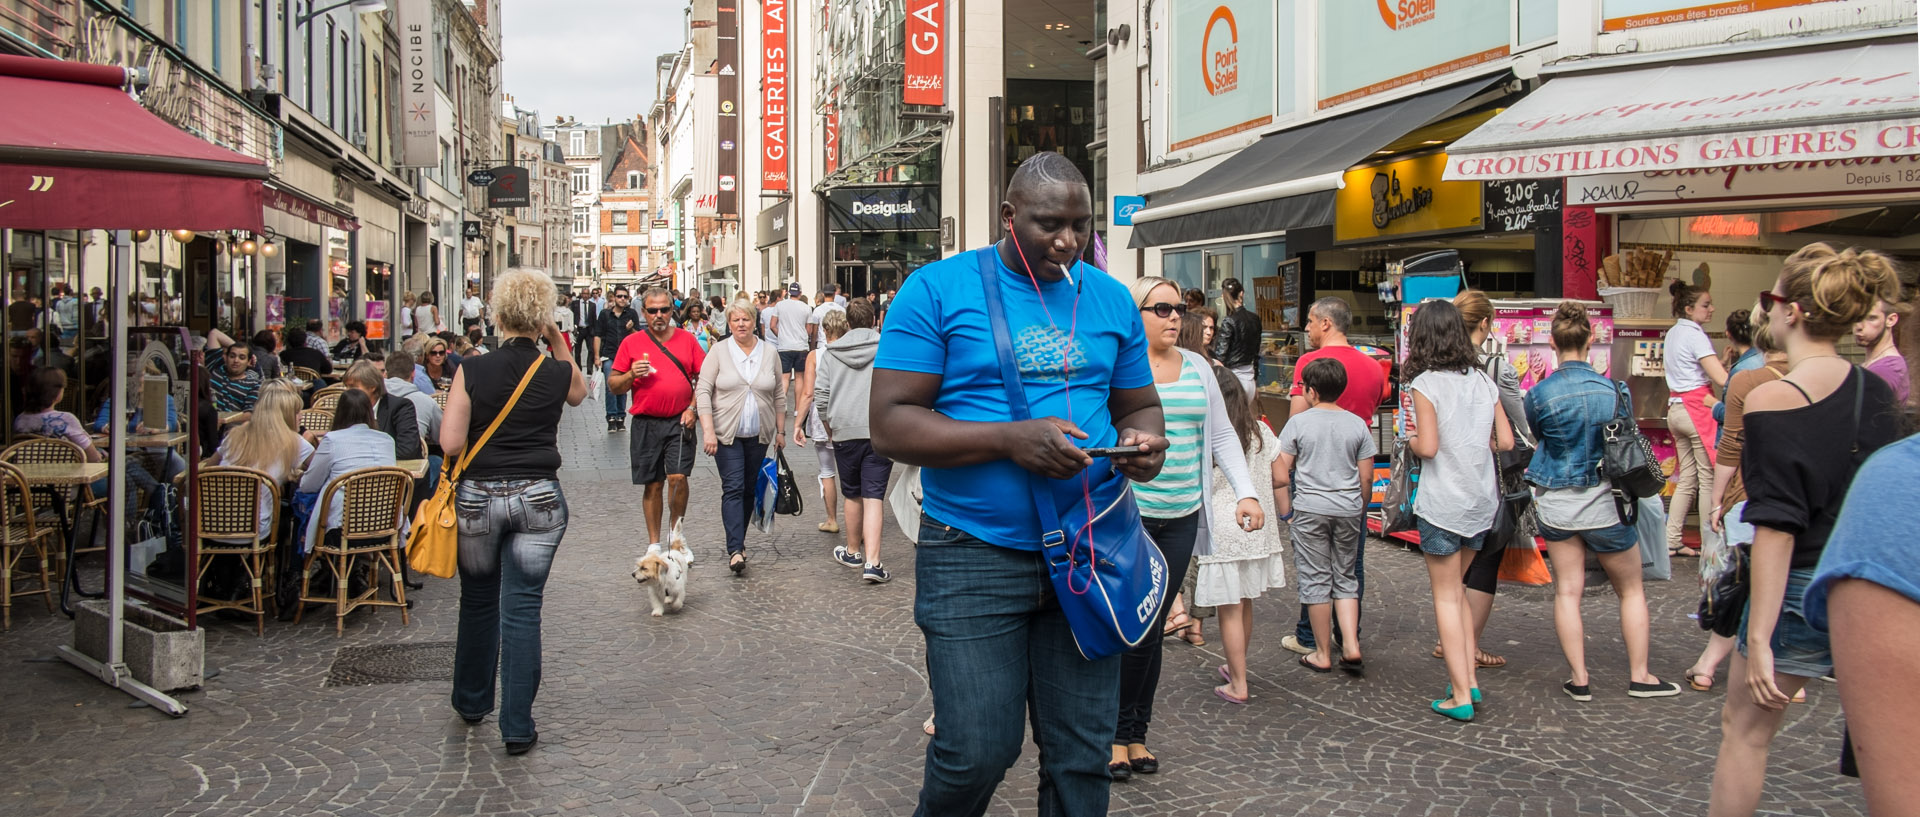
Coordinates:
(588, 59)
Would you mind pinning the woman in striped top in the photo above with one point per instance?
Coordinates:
(1174, 506)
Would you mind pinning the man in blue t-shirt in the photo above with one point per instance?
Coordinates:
(996, 638)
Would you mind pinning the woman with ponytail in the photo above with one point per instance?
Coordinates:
(1695, 376)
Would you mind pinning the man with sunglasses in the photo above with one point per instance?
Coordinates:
(659, 365)
(998, 643)
(610, 329)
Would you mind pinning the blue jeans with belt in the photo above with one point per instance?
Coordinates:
(616, 403)
(998, 648)
(509, 531)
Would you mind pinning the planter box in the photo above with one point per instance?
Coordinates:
(158, 649)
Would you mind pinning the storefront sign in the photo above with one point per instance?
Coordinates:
(1522, 205)
(419, 114)
(1369, 48)
(884, 209)
(1223, 69)
(480, 178)
(1124, 207)
(706, 152)
(773, 225)
(471, 231)
(926, 53)
(727, 50)
(1842, 177)
(773, 96)
(832, 140)
(308, 210)
(1404, 198)
(1621, 15)
(509, 187)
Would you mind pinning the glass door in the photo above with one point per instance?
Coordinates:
(1220, 265)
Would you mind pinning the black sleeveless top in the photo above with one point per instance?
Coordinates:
(527, 444)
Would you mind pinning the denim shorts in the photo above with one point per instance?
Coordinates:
(1437, 542)
(1798, 648)
(1610, 539)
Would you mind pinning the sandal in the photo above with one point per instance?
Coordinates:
(1193, 636)
(1482, 659)
(1307, 661)
(737, 563)
(928, 726)
(1692, 680)
(1172, 629)
(1684, 551)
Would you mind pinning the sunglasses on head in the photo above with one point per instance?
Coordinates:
(1165, 310)
(659, 310)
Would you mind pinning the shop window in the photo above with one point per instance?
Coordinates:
(1260, 261)
(1182, 268)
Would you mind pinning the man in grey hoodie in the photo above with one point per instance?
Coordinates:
(840, 393)
(426, 413)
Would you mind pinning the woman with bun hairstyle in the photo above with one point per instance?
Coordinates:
(1694, 378)
(1236, 344)
(1806, 435)
(1575, 506)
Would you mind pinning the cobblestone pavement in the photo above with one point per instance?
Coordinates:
(798, 690)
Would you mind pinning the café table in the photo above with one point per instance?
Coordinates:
(418, 468)
(228, 418)
(65, 475)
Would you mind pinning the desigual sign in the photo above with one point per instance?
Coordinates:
(1404, 198)
(884, 209)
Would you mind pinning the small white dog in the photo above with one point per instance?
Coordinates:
(664, 573)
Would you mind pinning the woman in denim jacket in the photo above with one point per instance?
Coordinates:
(1576, 507)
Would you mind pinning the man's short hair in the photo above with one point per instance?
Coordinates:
(357, 327)
(263, 339)
(1041, 169)
(1333, 309)
(314, 325)
(859, 314)
(656, 292)
(1326, 377)
(364, 373)
(296, 337)
(400, 364)
(618, 290)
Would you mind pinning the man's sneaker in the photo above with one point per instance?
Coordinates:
(613, 424)
(847, 557)
(1292, 643)
(876, 574)
(622, 419)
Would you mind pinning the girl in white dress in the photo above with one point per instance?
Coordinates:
(1243, 564)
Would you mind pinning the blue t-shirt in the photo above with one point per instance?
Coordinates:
(1884, 497)
(938, 325)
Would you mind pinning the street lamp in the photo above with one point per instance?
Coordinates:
(359, 7)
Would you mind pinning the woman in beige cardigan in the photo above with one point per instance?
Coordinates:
(741, 404)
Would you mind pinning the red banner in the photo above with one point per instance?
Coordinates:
(926, 53)
(773, 97)
(832, 141)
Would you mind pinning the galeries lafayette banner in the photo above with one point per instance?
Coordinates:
(1850, 103)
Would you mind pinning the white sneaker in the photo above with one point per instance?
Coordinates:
(1292, 643)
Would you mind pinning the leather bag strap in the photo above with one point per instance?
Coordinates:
(454, 473)
(1051, 535)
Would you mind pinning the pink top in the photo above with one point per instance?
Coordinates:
(1893, 369)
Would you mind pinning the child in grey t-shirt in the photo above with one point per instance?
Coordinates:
(1328, 453)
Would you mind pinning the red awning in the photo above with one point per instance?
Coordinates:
(79, 153)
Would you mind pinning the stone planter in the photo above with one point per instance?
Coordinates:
(158, 649)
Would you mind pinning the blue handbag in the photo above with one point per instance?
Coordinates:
(1110, 578)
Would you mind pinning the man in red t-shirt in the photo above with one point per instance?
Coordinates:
(660, 448)
(1367, 385)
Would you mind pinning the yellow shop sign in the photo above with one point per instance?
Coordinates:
(1404, 198)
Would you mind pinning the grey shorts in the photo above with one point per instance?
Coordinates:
(1326, 555)
(658, 447)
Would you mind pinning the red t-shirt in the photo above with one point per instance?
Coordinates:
(1366, 378)
(665, 393)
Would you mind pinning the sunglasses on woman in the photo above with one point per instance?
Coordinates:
(1165, 310)
(1768, 300)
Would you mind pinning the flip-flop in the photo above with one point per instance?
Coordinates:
(1684, 551)
(1706, 687)
(1228, 697)
(1355, 665)
(1225, 675)
(928, 726)
(1312, 666)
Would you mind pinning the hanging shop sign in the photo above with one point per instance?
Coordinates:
(706, 152)
(773, 226)
(471, 231)
(419, 114)
(1874, 176)
(1371, 48)
(773, 96)
(480, 178)
(884, 209)
(727, 51)
(1404, 198)
(832, 141)
(1124, 207)
(1521, 205)
(1224, 69)
(926, 53)
(509, 187)
(1621, 15)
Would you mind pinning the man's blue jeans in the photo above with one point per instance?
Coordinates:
(509, 530)
(616, 403)
(998, 652)
(1303, 631)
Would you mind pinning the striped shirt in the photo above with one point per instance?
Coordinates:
(1176, 492)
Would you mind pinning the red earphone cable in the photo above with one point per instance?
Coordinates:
(1066, 364)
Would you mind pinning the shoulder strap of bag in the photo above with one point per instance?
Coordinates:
(684, 372)
(455, 472)
(1051, 535)
(1622, 411)
(1859, 396)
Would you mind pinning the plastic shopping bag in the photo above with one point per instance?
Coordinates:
(766, 493)
(1656, 564)
(597, 385)
(904, 499)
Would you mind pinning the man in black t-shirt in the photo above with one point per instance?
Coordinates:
(610, 327)
(300, 353)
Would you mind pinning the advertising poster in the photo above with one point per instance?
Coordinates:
(1370, 48)
(1224, 70)
(376, 320)
(1621, 15)
(926, 58)
(773, 96)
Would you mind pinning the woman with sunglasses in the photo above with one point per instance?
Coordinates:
(1806, 435)
(440, 364)
(1175, 506)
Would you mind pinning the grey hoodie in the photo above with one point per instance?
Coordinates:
(425, 411)
(844, 383)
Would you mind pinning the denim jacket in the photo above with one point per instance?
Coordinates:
(1566, 411)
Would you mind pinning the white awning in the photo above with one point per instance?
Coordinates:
(1856, 102)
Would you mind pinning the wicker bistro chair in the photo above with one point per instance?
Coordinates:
(440, 398)
(316, 420)
(229, 519)
(328, 398)
(308, 375)
(376, 502)
(20, 534)
(79, 498)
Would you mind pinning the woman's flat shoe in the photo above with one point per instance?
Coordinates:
(1657, 689)
(1120, 770)
(1579, 692)
(1228, 696)
(1144, 765)
(1354, 665)
(738, 563)
(1462, 713)
(830, 526)
(1307, 662)
(1476, 696)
